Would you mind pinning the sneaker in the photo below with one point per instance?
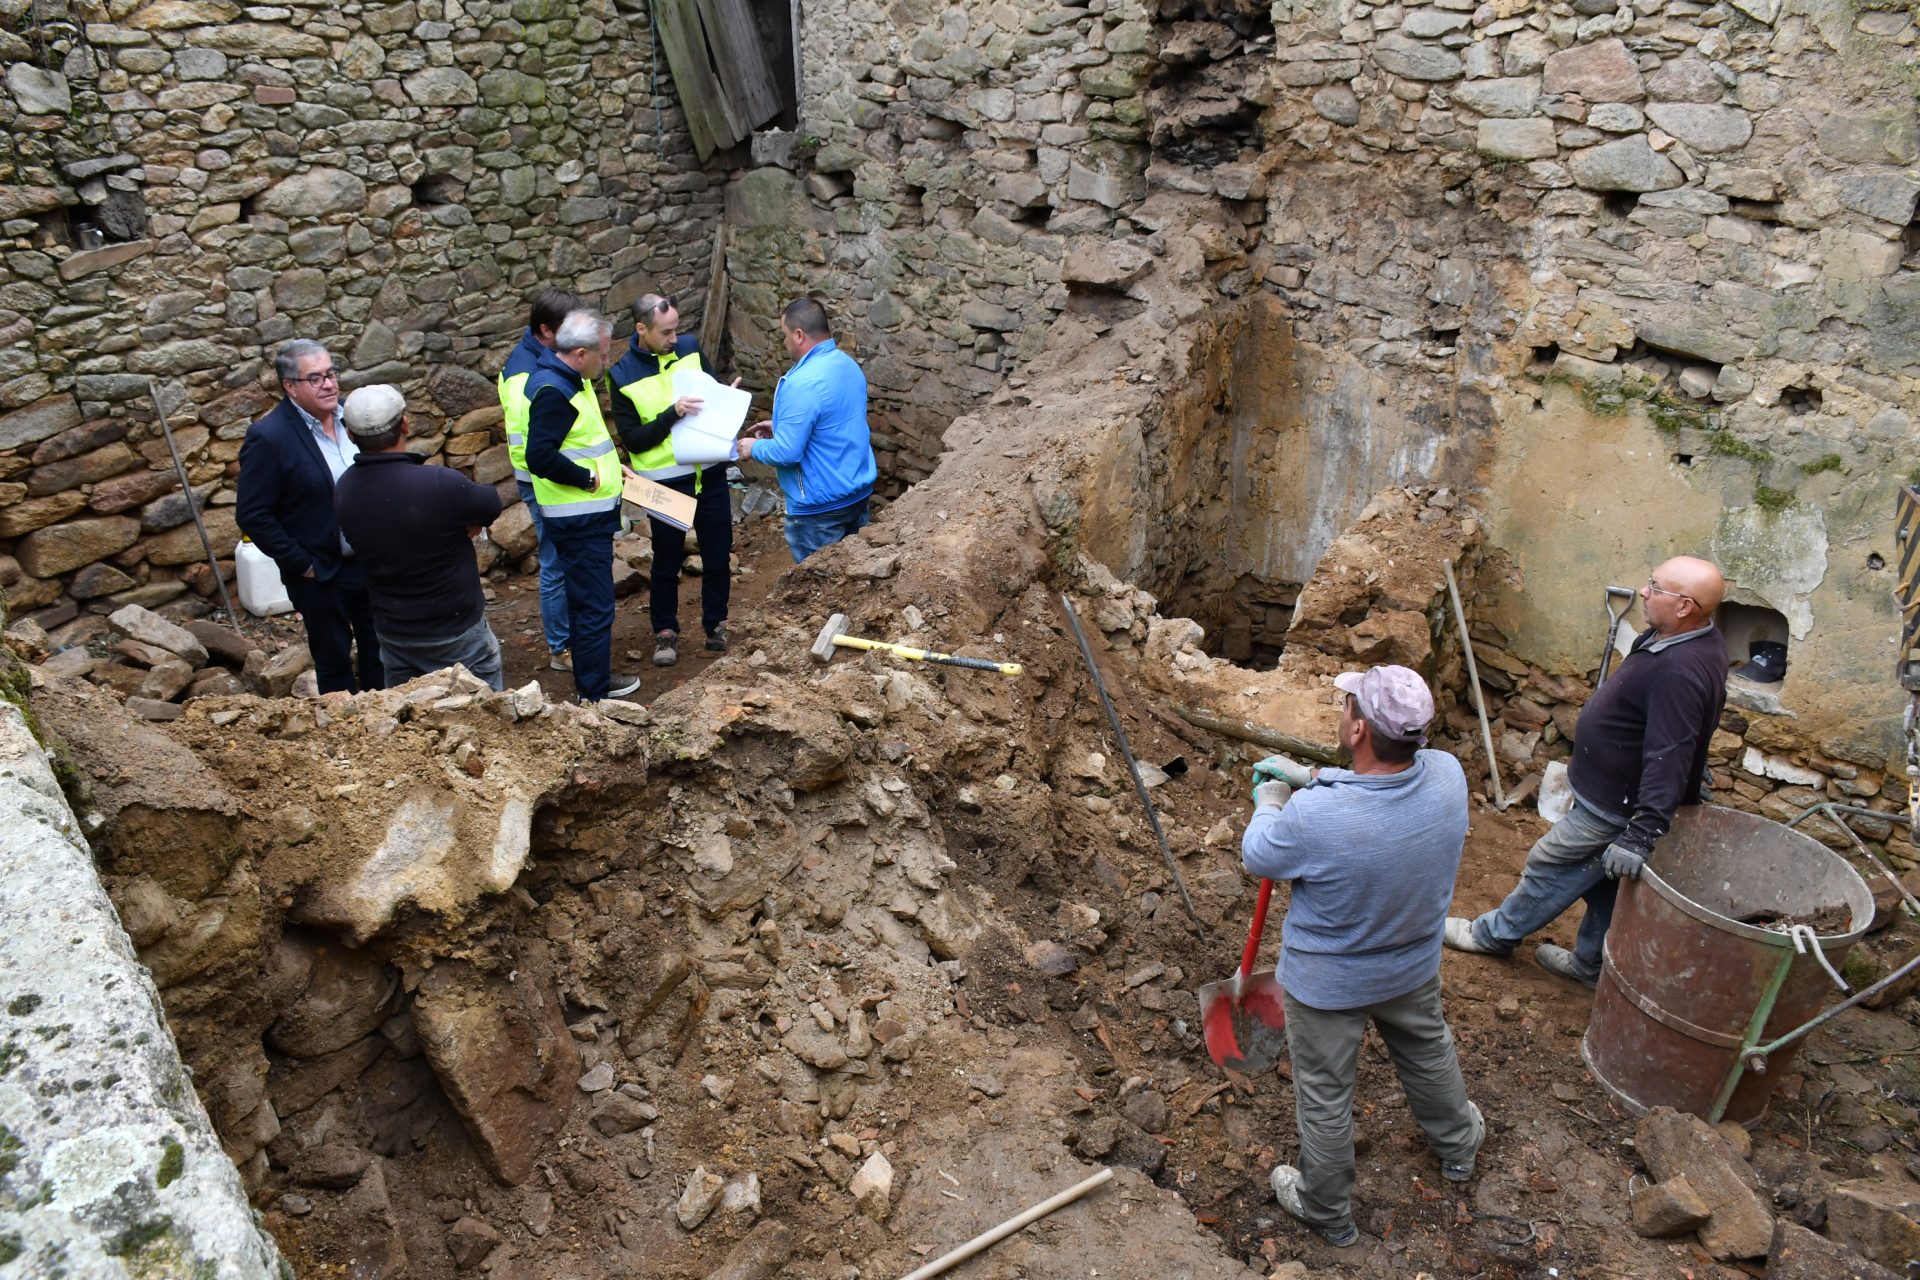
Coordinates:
(1459, 937)
(560, 660)
(1464, 1170)
(1561, 963)
(716, 640)
(1286, 1190)
(665, 650)
(621, 686)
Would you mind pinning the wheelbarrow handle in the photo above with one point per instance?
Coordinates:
(1259, 927)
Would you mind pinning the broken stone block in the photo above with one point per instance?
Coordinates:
(1878, 1218)
(347, 996)
(761, 1256)
(1799, 1254)
(741, 1199)
(279, 672)
(1668, 1209)
(698, 1198)
(814, 1047)
(1049, 959)
(872, 1187)
(1739, 1223)
(470, 1241)
(616, 1113)
(154, 709)
(150, 628)
(503, 1055)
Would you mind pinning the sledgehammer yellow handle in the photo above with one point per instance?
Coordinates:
(927, 655)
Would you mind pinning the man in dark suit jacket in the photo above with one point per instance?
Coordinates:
(288, 465)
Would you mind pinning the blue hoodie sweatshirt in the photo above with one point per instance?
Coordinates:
(822, 448)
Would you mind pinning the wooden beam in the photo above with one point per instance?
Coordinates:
(710, 117)
(745, 76)
(1261, 736)
(713, 314)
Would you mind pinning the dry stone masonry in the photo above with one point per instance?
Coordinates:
(186, 185)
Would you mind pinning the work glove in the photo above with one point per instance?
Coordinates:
(1622, 863)
(1292, 772)
(1274, 792)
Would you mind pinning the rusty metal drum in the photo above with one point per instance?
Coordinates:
(1683, 975)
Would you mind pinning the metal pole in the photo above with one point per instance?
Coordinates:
(1473, 686)
(1765, 1050)
(1828, 810)
(1126, 753)
(193, 508)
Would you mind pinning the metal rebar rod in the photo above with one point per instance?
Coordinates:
(1473, 686)
(1830, 811)
(1126, 753)
(193, 507)
(1765, 1050)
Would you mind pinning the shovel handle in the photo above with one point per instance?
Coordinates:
(1259, 927)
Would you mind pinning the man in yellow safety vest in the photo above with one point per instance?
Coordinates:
(550, 307)
(576, 480)
(645, 410)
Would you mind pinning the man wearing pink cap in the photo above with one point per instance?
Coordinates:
(1371, 852)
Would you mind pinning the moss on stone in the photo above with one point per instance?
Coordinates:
(1768, 498)
(10, 1148)
(1725, 445)
(1830, 462)
(21, 1006)
(173, 1162)
(10, 1248)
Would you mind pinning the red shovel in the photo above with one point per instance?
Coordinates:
(1244, 1018)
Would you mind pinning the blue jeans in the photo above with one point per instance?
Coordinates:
(476, 649)
(585, 548)
(1562, 867)
(553, 582)
(807, 534)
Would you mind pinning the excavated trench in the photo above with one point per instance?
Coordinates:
(818, 971)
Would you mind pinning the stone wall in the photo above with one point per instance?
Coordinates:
(394, 180)
(111, 1166)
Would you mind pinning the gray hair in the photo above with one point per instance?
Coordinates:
(286, 361)
(581, 329)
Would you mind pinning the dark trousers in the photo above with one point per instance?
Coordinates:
(585, 546)
(338, 614)
(713, 524)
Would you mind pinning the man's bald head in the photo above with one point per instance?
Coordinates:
(1682, 595)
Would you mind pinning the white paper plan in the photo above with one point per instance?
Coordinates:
(708, 435)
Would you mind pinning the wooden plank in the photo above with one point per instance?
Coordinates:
(713, 315)
(745, 75)
(709, 115)
(1261, 736)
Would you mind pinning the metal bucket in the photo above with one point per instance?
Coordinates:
(1683, 980)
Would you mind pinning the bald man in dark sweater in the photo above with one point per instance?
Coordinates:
(1639, 753)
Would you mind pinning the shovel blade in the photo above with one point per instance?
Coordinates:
(1246, 1030)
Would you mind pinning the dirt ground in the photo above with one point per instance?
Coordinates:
(1021, 1079)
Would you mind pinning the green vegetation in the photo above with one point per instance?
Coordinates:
(173, 1162)
(1768, 498)
(10, 1248)
(1725, 445)
(1831, 462)
(21, 1006)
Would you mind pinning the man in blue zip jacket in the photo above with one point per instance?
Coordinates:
(818, 442)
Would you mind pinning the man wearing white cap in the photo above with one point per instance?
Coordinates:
(412, 526)
(1372, 852)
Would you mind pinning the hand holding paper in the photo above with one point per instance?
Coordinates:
(711, 419)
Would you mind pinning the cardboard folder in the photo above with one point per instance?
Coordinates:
(658, 501)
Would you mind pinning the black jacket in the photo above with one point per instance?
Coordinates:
(636, 364)
(1640, 745)
(408, 525)
(285, 498)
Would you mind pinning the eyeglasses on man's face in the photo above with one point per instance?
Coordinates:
(1659, 590)
(319, 379)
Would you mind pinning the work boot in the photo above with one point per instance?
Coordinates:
(717, 640)
(560, 660)
(1285, 1180)
(1459, 937)
(666, 650)
(1564, 964)
(1463, 1170)
(621, 686)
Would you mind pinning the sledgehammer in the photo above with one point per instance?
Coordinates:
(835, 634)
